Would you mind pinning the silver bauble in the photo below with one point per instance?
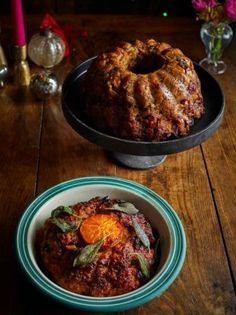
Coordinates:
(3, 74)
(44, 84)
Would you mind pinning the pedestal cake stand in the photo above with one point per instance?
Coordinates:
(142, 154)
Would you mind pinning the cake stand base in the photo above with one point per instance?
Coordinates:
(138, 162)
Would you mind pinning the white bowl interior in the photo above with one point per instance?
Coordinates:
(83, 193)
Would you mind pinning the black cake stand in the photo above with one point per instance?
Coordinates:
(141, 154)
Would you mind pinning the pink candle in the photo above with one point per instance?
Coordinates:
(18, 23)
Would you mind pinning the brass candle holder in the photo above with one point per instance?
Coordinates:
(3, 67)
(21, 66)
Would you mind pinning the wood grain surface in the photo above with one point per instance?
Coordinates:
(39, 149)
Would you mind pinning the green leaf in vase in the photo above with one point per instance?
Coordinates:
(125, 207)
(61, 209)
(141, 234)
(65, 226)
(144, 265)
(87, 254)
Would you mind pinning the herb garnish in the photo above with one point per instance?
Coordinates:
(156, 248)
(144, 265)
(141, 234)
(61, 209)
(87, 254)
(125, 207)
(65, 225)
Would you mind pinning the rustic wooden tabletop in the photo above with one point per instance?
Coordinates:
(39, 149)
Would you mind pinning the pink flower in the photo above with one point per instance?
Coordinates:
(230, 9)
(200, 5)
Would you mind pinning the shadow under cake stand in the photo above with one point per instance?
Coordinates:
(142, 154)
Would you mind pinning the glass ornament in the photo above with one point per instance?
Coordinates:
(46, 49)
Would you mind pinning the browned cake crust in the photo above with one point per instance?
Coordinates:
(143, 91)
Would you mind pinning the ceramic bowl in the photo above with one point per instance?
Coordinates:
(155, 208)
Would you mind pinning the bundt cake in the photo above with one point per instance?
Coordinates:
(142, 91)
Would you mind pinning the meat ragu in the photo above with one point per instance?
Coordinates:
(100, 248)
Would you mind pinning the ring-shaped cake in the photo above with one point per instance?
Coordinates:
(142, 91)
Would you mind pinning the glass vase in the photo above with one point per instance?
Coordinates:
(215, 38)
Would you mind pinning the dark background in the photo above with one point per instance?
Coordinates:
(139, 7)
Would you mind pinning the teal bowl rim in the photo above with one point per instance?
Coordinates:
(154, 288)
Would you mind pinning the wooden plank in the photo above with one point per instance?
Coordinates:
(39, 6)
(220, 155)
(20, 125)
(118, 23)
(66, 6)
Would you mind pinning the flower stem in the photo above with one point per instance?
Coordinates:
(216, 43)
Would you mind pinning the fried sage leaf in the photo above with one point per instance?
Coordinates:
(87, 254)
(156, 248)
(65, 226)
(144, 265)
(61, 209)
(141, 234)
(125, 207)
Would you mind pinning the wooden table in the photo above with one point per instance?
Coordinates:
(39, 149)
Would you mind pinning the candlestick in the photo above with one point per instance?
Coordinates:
(18, 23)
(3, 67)
(21, 66)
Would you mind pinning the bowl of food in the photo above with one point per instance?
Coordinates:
(142, 101)
(100, 244)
